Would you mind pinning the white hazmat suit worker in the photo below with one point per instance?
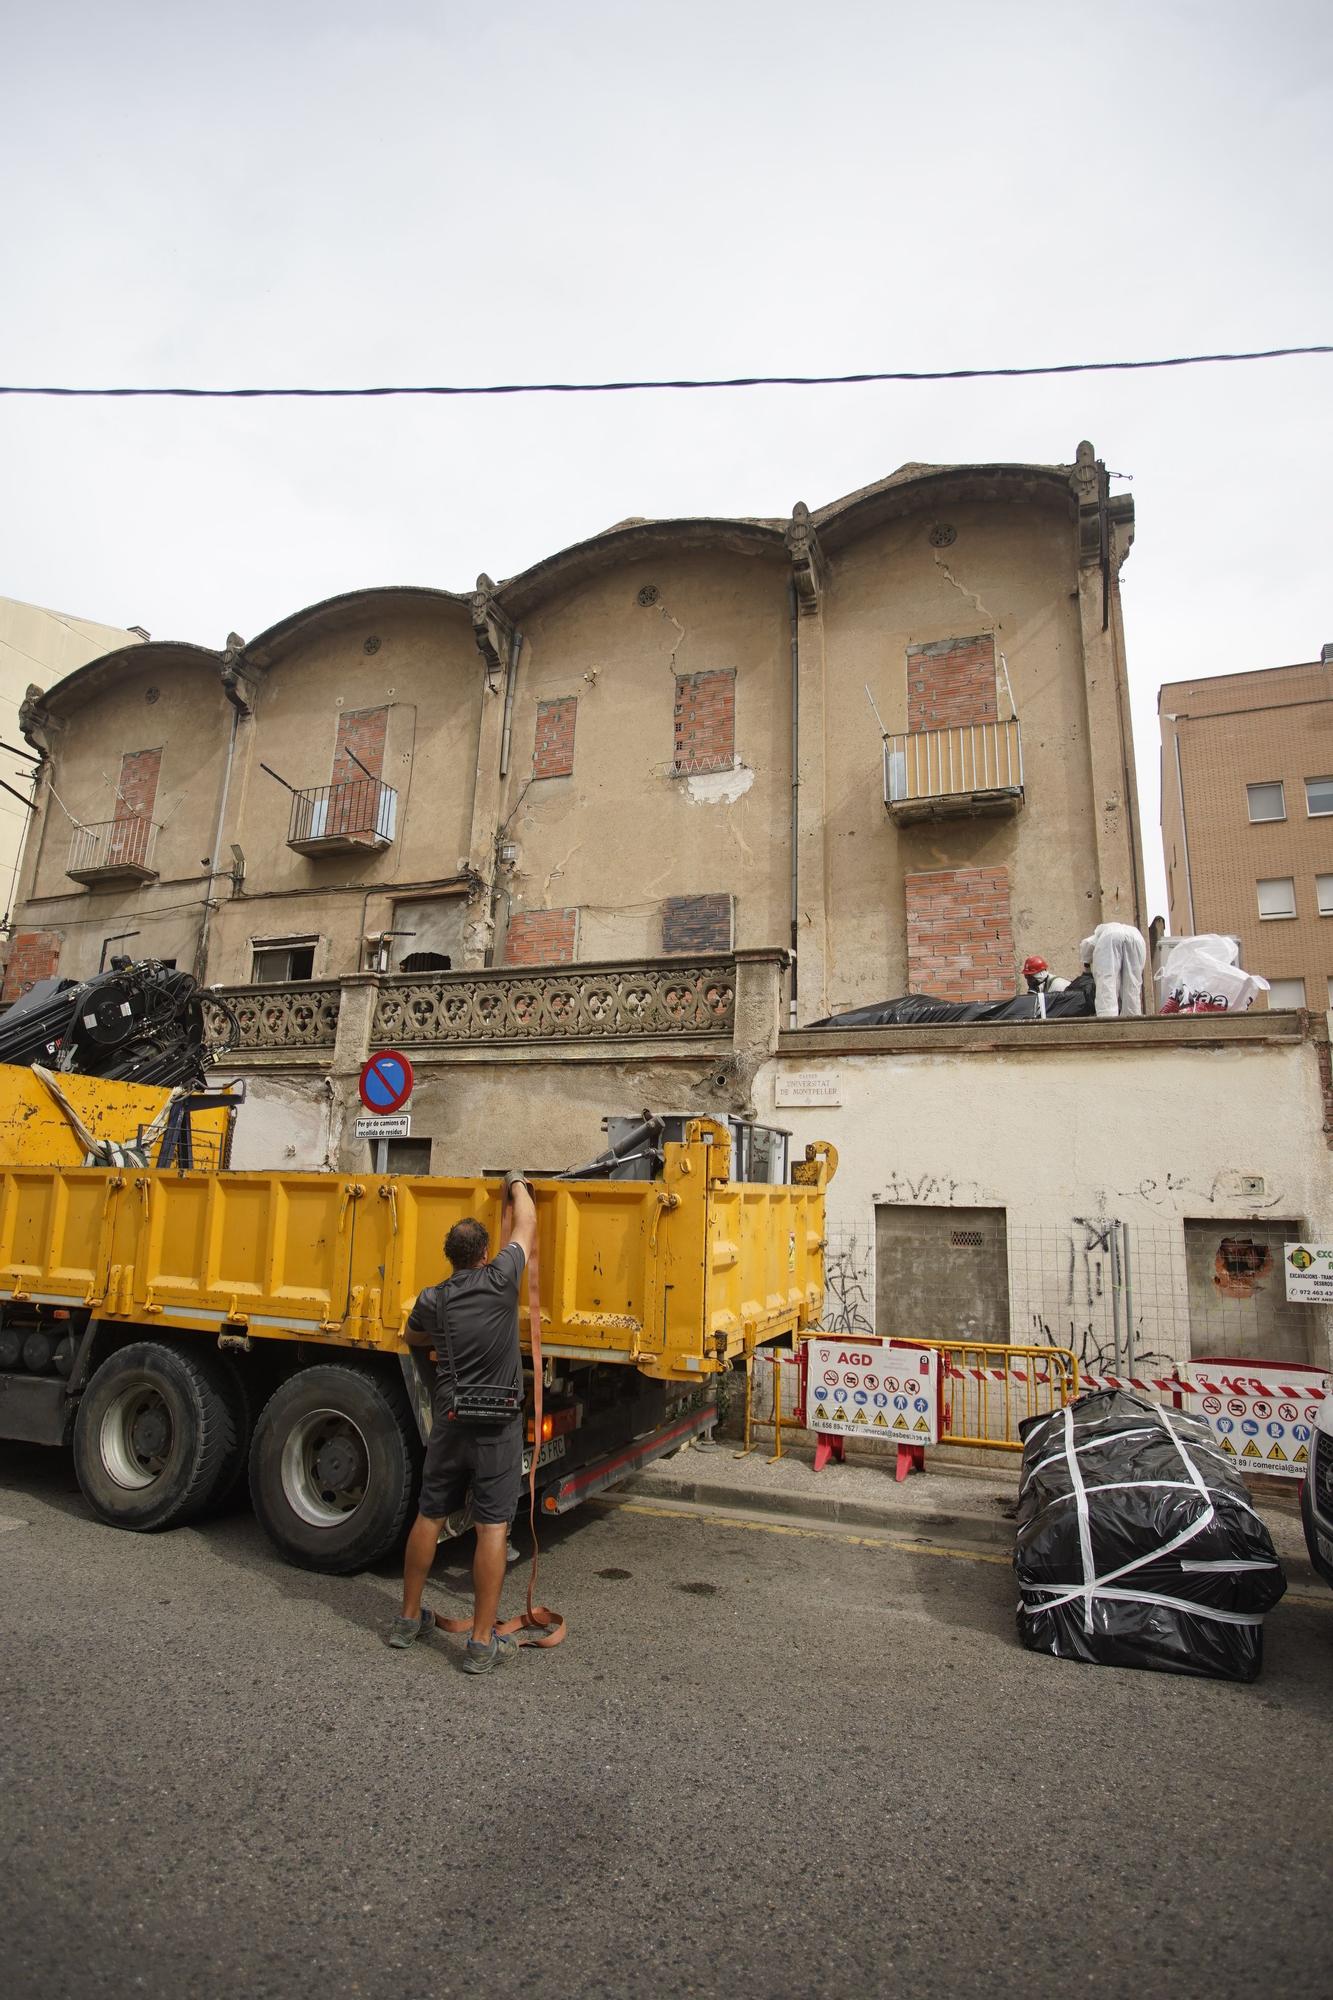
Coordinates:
(1117, 954)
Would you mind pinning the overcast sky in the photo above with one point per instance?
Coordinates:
(310, 191)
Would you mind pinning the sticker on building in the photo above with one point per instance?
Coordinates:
(1308, 1268)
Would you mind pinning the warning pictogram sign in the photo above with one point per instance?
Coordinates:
(1271, 1405)
(848, 1393)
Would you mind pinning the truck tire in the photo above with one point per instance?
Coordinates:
(333, 1468)
(153, 1436)
(238, 1391)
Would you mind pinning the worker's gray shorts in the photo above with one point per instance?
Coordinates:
(485, 1460)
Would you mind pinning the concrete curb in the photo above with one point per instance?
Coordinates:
(901, 1520)
(907, 1519)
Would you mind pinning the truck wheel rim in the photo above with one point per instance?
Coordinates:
(325, 1468)
(136, 1437)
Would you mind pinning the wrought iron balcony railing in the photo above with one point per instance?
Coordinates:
(342, 819)
(113, 850)
(974, 767)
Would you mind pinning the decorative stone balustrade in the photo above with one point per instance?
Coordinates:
(339, 1022)
(554, 1004)
(276, 1018)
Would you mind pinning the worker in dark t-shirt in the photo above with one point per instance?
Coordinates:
(477, 1305)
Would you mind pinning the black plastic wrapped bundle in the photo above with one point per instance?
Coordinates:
(1138, 1545)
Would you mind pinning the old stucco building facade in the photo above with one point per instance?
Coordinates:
(656, 742)
(613, 832)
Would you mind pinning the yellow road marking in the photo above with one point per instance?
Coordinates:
(713, 1520)
(685, 1509)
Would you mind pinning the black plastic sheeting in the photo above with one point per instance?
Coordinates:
(919, 1010)
(1160, 1562)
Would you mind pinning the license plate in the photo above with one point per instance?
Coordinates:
(552, 1449)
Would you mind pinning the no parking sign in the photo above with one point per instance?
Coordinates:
(386, 1082)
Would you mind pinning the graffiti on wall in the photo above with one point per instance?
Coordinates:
(849, 1304)
(1081, 1302)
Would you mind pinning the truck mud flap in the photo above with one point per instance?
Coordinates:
(35, 1409)
(560, 1496)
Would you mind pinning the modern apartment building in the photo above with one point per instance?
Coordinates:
(1247, 819)
(36, 646)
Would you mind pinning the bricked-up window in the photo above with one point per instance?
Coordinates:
(697, 923)
(129, 838)
(553, 752)
(361, 733)
(960, 942)
(355, 794)
(541, 937)
(951, 682)
(705, 721)
(33, 955)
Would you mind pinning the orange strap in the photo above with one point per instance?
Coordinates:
(538, 1625)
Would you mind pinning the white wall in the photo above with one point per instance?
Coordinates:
(1067, 1140)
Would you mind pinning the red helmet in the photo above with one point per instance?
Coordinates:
(1034, 965)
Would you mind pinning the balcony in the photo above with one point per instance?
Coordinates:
(113, 850)
(350, 818)
(972, 769)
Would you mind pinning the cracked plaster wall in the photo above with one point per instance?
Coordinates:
(622, 833)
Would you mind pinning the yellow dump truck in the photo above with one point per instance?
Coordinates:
(187, 1327)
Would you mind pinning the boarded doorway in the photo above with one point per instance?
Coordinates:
(1237, 1292)
(941, 1273)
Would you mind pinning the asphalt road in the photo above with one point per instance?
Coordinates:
(764, 1763)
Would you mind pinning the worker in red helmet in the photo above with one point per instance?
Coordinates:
(1037, 975)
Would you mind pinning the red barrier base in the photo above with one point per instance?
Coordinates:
(911, 1458)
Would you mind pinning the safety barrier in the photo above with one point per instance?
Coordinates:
(991, 1388)
(775, 1359)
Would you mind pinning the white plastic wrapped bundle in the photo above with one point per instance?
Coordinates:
(1202, 975)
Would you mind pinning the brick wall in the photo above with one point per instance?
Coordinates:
(33, 955)
(705, 721)
(361, 730)
(553, 754)
(960, 943)
(541, 937)
(951, 681)
(696, 923)
(136, 788)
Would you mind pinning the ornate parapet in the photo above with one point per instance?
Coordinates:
(664, 1001)
(807, 563)
(491, 627)
(277, 1020)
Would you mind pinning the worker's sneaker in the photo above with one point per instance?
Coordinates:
(404, 1630)
(480, 1659)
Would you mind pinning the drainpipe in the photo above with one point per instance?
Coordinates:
(1184, 826)
(794, 616)
(238, 709)
(511, 677)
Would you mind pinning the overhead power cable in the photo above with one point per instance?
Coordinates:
(686, 382)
